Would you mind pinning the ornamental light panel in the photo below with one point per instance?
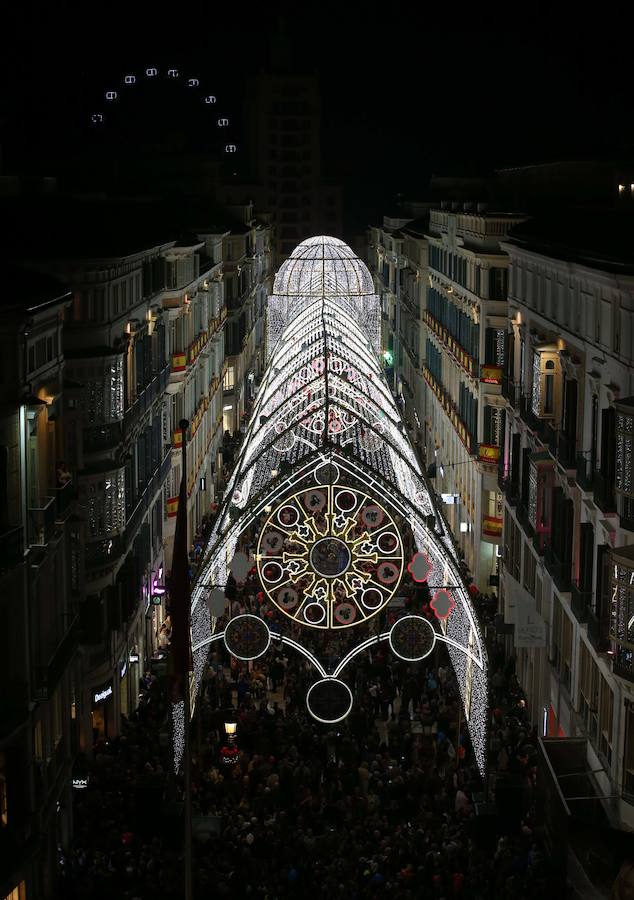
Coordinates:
(328, 487)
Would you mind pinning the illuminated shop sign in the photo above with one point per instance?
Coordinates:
(103, 694)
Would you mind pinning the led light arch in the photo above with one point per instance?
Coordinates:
(325, 419)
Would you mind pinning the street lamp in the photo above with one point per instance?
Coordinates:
(230, 730)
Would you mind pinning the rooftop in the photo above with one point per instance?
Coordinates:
(29, 291)
(597, 239)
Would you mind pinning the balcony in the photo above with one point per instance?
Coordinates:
(566, 451)
(623, 663)
(580, 601)
(523, 518)
(604, 493)
(597, 631)
(47, 677)
(42, 522)
(560, 573)
(585, 473)
(511, 391)
(64, 498)
(451, 409)
(11, 548)
(464, 359)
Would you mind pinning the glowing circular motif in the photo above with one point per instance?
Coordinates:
(314, 500)
(388, 573)
(314, 613)
(327, 473)
(330, 557)
(345, 501)
(329, 700)
(288, 516)
(412, 638)
(272, 540)
(272, 572)
(287, 598)
(371, 598)
(345, 613)
(372, 516)
(247, 637)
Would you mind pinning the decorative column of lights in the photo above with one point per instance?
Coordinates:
(622, 611)
(327, 471)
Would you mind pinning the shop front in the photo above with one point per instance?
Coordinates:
(103, 712)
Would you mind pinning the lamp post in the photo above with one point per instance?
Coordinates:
(229, 753)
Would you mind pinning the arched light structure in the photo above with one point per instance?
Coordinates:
(324, 415)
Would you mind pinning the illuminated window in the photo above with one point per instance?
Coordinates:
(229, 379)
(18, 893)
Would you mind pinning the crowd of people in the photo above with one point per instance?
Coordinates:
(381, 805)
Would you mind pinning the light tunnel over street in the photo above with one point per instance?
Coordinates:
(328, 477)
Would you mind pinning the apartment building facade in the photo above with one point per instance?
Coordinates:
(443, 280)
(192, 303)
(248, 280)
(397, 257)
(40, 679)
(566, 474)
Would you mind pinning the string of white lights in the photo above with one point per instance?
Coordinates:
(324, 379)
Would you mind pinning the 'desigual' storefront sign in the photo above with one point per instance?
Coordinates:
(102, 694)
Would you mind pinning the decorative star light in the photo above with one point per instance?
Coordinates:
(420, 567)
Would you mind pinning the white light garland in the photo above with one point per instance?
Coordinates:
(323, 345)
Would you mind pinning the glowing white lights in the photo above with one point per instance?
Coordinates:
(324, 421)
(329, 701)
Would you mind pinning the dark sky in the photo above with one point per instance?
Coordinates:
(403, 94)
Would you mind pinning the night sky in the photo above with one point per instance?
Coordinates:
(403, 96)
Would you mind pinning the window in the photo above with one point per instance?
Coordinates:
(588, 692)
(229, 379)
(529, 570)
(4, 809)
(606, 712)
(628, 754)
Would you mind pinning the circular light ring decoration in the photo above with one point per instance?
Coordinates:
(247, 637)
(125, 83)
(345, 501)
(287, 440)
(272, 541)
(341, 569)
(272, 572)
(412, 638)
(327, 473)
(329, 700)
(288, 516)
(314, 500)
(287, 598)
(314, 613)
(371, 599)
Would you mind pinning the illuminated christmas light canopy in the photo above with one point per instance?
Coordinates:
(328, 477)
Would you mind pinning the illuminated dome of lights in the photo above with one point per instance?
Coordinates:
(323, 266)
(328, 489)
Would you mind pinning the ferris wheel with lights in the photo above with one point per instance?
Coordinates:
(128, 90)
(329, 484)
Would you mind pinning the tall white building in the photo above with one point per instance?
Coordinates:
(443, 281)
(566, 472)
